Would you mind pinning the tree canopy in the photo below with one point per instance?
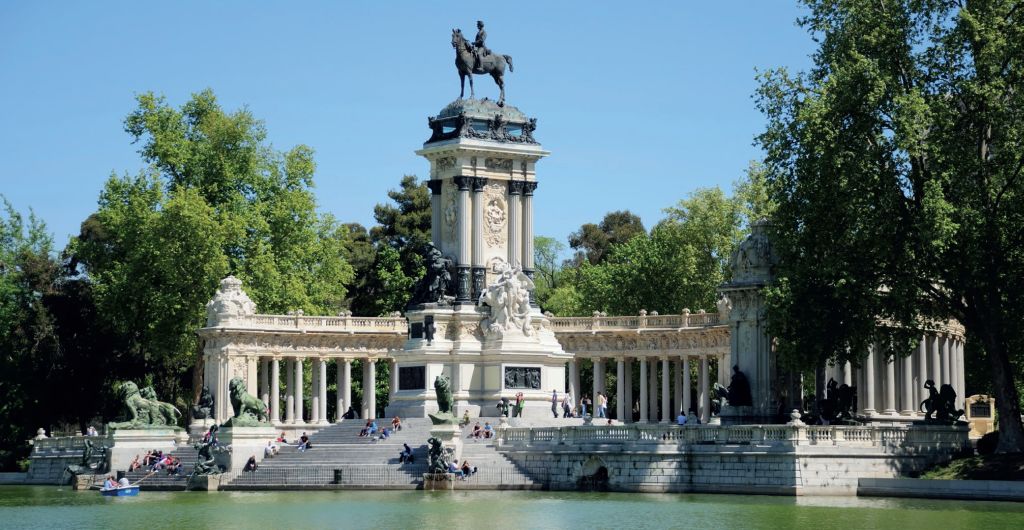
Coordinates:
(895, 164)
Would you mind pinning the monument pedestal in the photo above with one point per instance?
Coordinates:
(206, 482)
(199, 427)
(451, 437)
(244, 442)
(127, 443)
(731, 415)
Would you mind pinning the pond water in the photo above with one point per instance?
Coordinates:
(25, 507)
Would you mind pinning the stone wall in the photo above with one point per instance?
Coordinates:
(691, 459)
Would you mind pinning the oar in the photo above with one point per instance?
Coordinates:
(150, 474)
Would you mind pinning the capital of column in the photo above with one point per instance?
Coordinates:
(515, 187)
(463, 182)
(478, 184)
(529, 188)
(435, 186)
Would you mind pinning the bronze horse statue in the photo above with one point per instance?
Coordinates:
(493, 64)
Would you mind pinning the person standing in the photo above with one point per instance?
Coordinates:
(600, 408)
(604, 406)
(554, 403)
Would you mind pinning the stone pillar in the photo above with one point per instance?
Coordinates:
(620, 390)
(629, 389)
(962, 385)
(314, 392)
(677, 386)
(934, 362)
(393, 379)
(372, 372)
(435, 211)
(344, 387)
(323, 390)
(251, 380)
(515, 223)
(576, 379)
(275, 391)
(289, 381)
(686, 385)
(265, 381)
(479, 270)
(890, 385)
(463, 288)
(666, 390)
(869, 382)
(947, 375)
(922, 373)
(571, 370)
(907, 386)
(299, 416)
(597, 382)
(528, 189)
(643, 390)
(847, 374)
(652, 393)
(705, 395)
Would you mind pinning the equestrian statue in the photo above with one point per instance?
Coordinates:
(475, 58)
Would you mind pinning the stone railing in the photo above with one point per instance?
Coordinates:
(342, 324)
(637, 322)
(803, 435)
(64, 443)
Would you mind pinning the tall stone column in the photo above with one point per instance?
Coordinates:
(463, 290)
(705, 395)
(576, 378)
(372, 372)
(628, 389)
(620, 389)
(890, 385)
(847, 374)
(252, 363)
(652, 394)
(907, 386)
(643, 390)
(275, 391)
(571, 369)
(515, 222)
(934, 361)
(962, 385)
(528, 189)
(677, 386)
(299, 416)
(869, 382)
(686, 385)
(666, 390)
(922, 371)
(314, 392)
(947, 375)
(479, 271)
(322, 378)
(344, 387)
(289, 382)
(435, 211)
(598, 363)
(265, 381)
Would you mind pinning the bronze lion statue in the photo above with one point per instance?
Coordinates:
(248, 408)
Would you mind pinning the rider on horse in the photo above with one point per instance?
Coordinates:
(479, 45)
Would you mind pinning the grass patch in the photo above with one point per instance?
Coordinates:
(991, 467)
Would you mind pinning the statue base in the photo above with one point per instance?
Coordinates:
(451, 436)
(731, 415)
(201, 426)
(244, 443)
(205, 482)
(126, 444)
(439, 481)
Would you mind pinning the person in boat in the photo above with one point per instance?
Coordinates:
(109, 484)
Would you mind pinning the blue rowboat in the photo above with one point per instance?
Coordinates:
(126, 491)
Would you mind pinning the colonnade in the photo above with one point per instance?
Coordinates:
(673, 391)
(895, 386)
(287, 402)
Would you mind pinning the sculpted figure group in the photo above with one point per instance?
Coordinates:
(142, 410)
(509, 301)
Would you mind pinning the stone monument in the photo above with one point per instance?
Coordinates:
(146, 423)
(247, 431)
(474, 319)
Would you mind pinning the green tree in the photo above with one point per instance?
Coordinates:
(405, 225)
(895, 164)
(592, 241)
(546, 253)
(217, 200)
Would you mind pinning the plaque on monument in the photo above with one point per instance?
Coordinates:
(412, 377)
(522, 377)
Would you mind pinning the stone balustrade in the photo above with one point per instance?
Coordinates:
(921, 436)
(636, 322)
(351, 324)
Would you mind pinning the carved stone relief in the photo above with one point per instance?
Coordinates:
(495, 214)
(450, 210)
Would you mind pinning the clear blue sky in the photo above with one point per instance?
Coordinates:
(639, 103)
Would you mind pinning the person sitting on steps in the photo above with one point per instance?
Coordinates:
(477, 432)
(406, 456)
(250, 466)
(396, 423)
(488, 430)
